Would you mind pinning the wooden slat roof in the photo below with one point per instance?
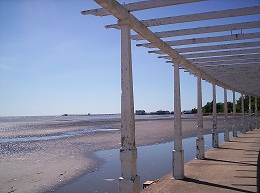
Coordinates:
(227, 54)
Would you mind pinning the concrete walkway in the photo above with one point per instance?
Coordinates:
(230, 168)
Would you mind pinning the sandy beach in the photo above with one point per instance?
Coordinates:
(42, 165)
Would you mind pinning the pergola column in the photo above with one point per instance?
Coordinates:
(256, 114)
(178, 152)
(234, 127)
(129, 182)
(215, 143)
(243, 114)
(200, 139)
(249, 113)
(226, 131)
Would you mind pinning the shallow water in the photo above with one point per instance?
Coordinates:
(154, 162)
(53, 137)
(30, 119)
(115, 117)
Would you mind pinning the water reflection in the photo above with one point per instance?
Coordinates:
(154, 162)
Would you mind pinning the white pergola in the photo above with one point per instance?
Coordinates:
(226, 55)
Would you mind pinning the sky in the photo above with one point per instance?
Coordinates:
(53, 61)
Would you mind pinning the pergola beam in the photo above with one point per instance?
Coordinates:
(202, 30)
(238, 73)
(214, 47)
(137, 6)
(221, 53)
(233, 37)
(229, 62)
(226, 58)
(231, 76)
(218, 58)
(222, 73)
(198, 17)
(250, 67)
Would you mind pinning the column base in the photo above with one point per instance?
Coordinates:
(178, 164)
(200, 152)
(250, 127)
(226, 135)
(243, 129)
(234, 129)
(215, 143)
(130, 185)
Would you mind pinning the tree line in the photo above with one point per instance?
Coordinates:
(208, 108)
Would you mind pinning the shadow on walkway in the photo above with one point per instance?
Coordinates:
(233, 162)
(238, 149)
(215, 185)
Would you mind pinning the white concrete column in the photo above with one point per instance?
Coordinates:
(243, 114)
(250, 114)
(178, 153)
(256, 114)
(234, 127)
(129, 182)
(226, 130)
(215, 142)
(200, 139)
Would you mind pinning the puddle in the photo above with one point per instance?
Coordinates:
(153, 162)
(53, 137)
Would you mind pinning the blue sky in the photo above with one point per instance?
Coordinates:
(53, 60)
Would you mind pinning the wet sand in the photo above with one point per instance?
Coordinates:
(40, 166)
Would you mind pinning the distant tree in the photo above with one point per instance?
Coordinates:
(230, 107)
(246, 104)
(253, 104)
(208, 107)
(193, 111)
(220, 107)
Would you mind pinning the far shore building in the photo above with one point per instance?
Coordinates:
(162, 112)
(186, 112)
(140, 112)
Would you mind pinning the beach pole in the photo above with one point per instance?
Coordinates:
(200, 139)
(256, 114)
(215, 143)
(129, 182)
(243, 114)
(250, 114)
(226, 131)
(178, 152)
(234, 127)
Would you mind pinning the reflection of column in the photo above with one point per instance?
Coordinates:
(256, 114)
(234, 127)
(129, 182)
(215, 129)
(200, 138)
(178, 153)
(243, 114)
(249, 113)
(226, 131)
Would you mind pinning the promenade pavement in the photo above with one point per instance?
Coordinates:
(230, 168)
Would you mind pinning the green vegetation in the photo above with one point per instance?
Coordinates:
(220, 106)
